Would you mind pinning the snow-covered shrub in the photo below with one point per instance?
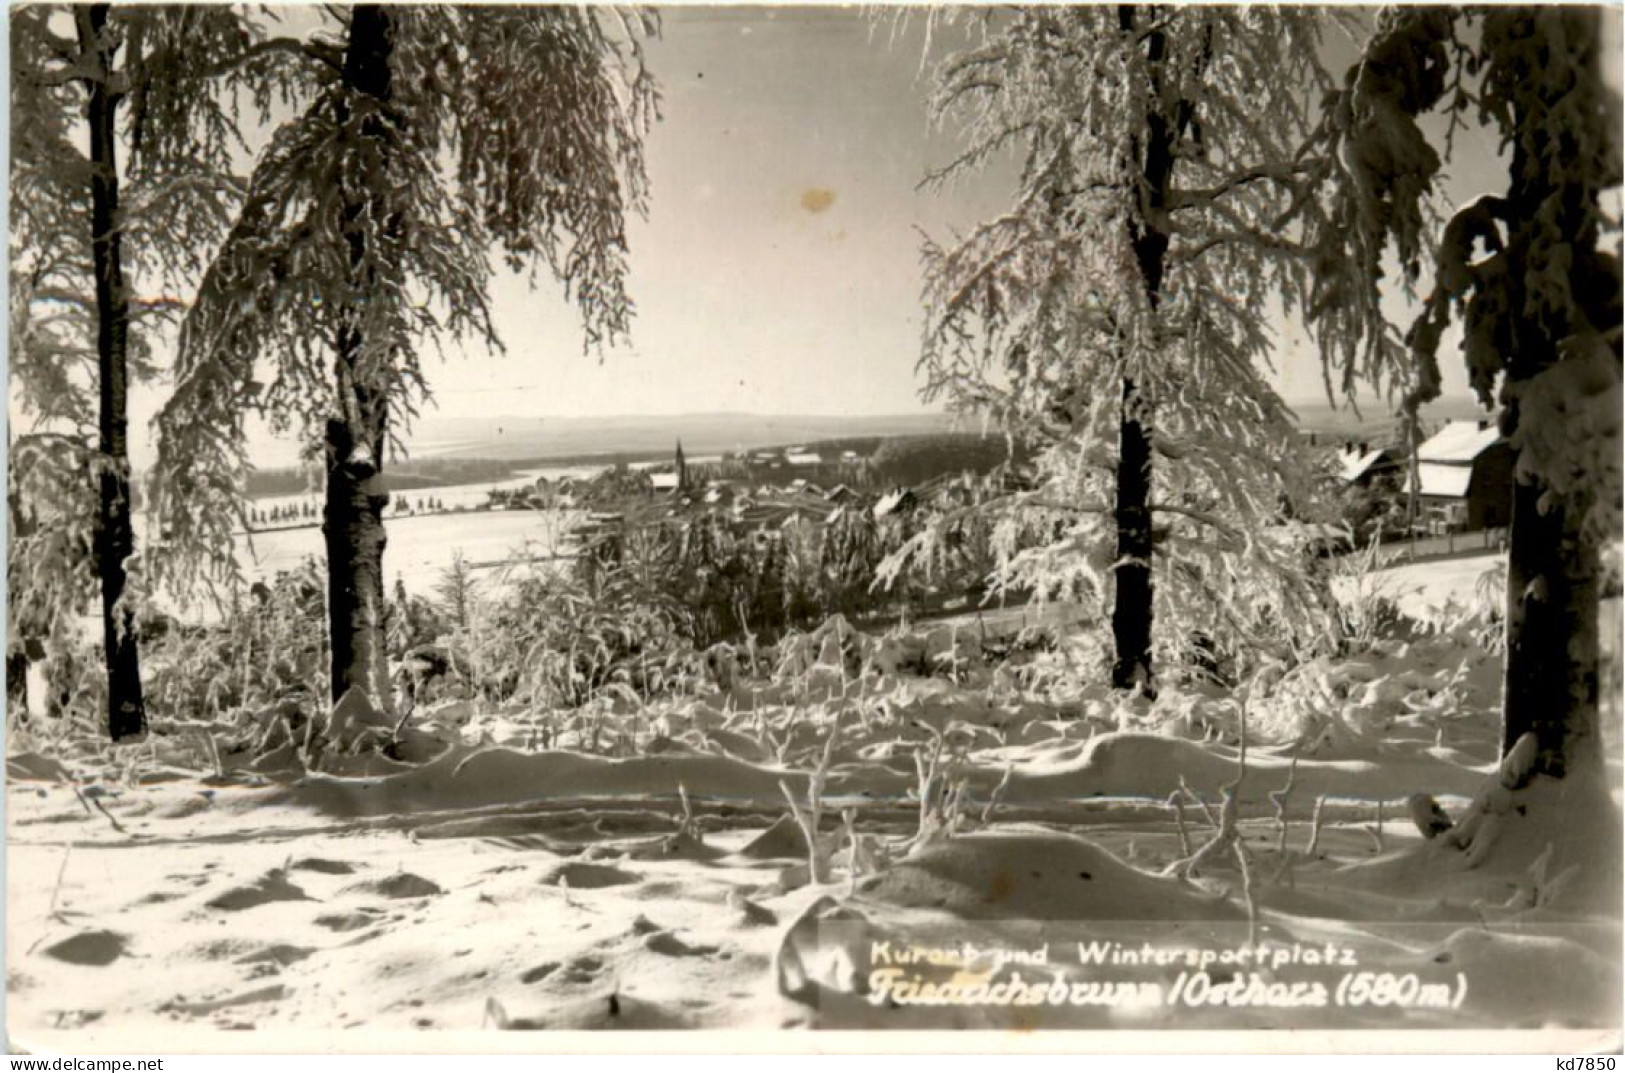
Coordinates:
(75, 689)
(1320, 705)
(1363, 612)
(1481, 621)
(269, 647)
(555, 642)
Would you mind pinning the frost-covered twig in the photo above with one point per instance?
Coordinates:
(61, 873)
(817, 860)
(1542, 892)
(849, 828)
(817, 867)
(940, 799)
(1314, 826)
(1176, 800)
(87, 802)
(688, 825)
(1184, 788)
(56, 893)
(1279, 798)
(1375, 829)
(1247, 892)
(1225, 837)
(998, 793)
(214, 753)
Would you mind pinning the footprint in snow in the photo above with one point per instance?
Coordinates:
(585, 875)
(324, 866)
(186, 806)
(90, 948)
(751, 914)
(281, 954)
(273, 886)
(605, 1012)
(399, 885)
(228, 949)
(581, 970)
(347, 921)
(664, 942)
(675, 847)
(200, 1009)
(76, 1018)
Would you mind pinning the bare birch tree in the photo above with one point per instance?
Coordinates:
(1119, 311)
(437, 139)
(123, 124)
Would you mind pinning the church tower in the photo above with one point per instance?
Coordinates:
(682, 469)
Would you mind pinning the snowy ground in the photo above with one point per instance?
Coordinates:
(1423, 590)
(518, 870)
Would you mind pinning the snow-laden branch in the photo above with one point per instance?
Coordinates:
(1285, 173)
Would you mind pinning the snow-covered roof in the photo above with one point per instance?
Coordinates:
(1443, 479)
(802, 458)
(891, 502)
(1355, 463)
(1459, 441)
(663, 482)
(785, 510)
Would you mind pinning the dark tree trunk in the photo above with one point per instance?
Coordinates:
(1131, 612)
(115, 536)
(1553, 590)
(1132, 608)
(1552, 629)
(353, 517)
(353, 528)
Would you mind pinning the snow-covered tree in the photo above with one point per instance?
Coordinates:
(1118, 312)
(123, 122)
(437, 138)
(1531, 272)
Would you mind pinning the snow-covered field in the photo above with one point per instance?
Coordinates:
(420, 547)
(514, 869)
(1425, 589)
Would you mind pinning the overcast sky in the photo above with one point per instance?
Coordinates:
(779, 269)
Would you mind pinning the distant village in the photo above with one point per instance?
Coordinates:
(761, 490)
(1462, 475)
(1462, 486)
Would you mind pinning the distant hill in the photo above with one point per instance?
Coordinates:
(1376, 420)
(445, 451)
(586, 440)
(575, 438)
